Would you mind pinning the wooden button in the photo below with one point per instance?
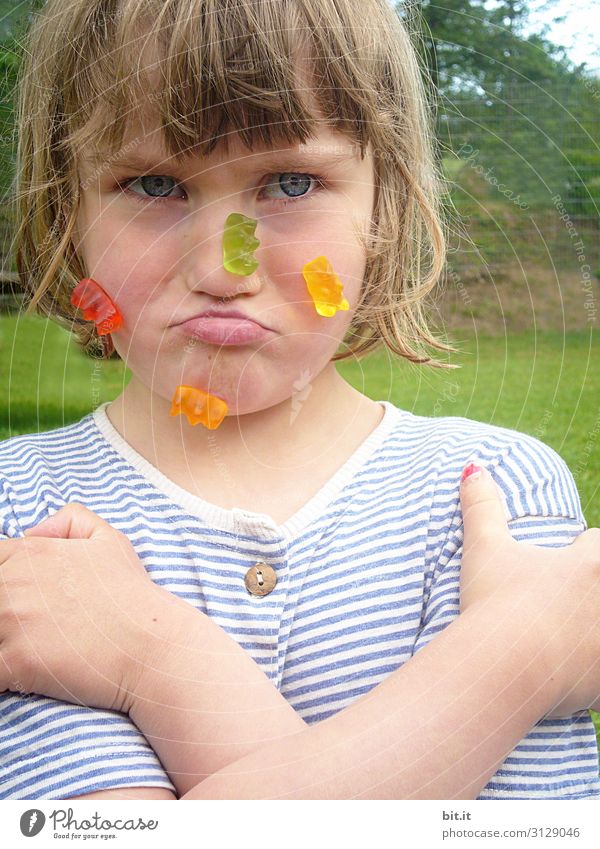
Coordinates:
(260, 579)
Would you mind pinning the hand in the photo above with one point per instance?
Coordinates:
(79, 615)
(557, 590)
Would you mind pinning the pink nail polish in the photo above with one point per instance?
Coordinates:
(471, 470)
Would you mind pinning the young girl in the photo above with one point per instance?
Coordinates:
(266, 595)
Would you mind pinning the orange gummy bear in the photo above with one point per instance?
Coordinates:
(90, 297)
(325, 287)
(198, 407)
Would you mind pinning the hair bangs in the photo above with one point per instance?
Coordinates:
(261, 70)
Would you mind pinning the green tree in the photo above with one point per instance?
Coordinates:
(510, 104)
(468, 43)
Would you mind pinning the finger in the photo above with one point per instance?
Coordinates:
(482, 506)
(73, 521)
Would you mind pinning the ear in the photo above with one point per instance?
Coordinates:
(108, 346)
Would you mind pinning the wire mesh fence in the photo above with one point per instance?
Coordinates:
(523, 179)
(532, 150)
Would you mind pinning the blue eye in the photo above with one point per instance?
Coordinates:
(292, 183)
(157, 186)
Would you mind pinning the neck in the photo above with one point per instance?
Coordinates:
(284, 435)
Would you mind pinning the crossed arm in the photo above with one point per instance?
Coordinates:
(389, 743)
(221, 730)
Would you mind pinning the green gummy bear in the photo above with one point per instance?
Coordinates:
(239, 243)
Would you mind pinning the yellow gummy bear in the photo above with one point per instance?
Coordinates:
(325, 287)
(198, 407)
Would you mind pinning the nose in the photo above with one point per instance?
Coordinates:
(202, 263)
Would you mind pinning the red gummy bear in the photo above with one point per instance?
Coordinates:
(97, 306)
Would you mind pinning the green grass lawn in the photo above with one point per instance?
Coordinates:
(545, 384)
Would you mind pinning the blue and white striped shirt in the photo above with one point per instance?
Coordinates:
(367, 573)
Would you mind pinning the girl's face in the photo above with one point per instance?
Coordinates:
(150, 232)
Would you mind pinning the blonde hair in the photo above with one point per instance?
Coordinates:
(81, 63)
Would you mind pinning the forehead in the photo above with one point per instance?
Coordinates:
(183, 120)
(144, 143)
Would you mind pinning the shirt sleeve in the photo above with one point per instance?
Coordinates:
(559, 757)
(51, 749)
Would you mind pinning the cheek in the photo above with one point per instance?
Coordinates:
(287, 249)
(283, 268)
(127, 268)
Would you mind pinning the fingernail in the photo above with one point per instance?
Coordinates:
(471, 471)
